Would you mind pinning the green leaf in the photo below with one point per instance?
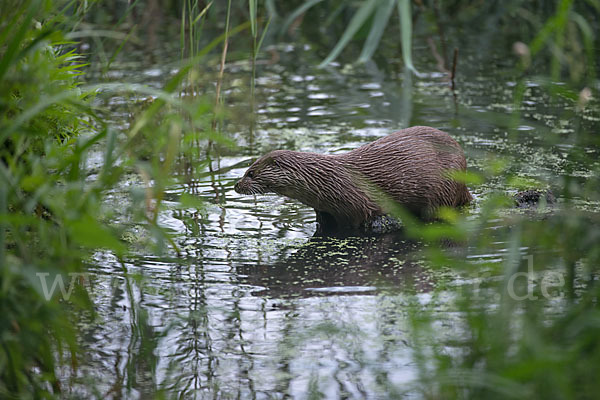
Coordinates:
(91, 234)
(296, 13)
(406, 34)
(10, 54)
(202, 13)
(553, 24)
(36, 109)
(186, 200)
(380, 21)
(119, 48)
(470, 178)
(252, 7)
(262, 37)
(358, 20)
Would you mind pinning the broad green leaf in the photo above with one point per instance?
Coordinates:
(186, 200)
(91, 234)
(470, 178)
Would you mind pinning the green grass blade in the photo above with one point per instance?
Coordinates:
(262, 37)
(33, 45)
(595, 4)
(406, 34)
(119, 48)
(203, 12)
(127, 12)
(270, 5)
(3, 212)
(380, 21)
(8, 58)
(9, 29)
(588, 38)
(90, 233)
(96, 33)
(357, 21)
(296, 13)
(252, 6)
(109, 158)
(182, 31)
(552, 25)
(31, 112)
(221, 37)
(335, 14)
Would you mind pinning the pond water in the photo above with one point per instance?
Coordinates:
(255, 306)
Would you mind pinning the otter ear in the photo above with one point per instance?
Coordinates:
(274, 161)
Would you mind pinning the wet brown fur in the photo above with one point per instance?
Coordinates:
(409, 167)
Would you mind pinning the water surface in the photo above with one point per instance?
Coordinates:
(254, 306)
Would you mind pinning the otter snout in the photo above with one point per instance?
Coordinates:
(239, 187)
(247, 185)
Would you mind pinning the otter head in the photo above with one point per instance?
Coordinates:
(268, 174)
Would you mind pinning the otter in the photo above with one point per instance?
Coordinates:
(411, 167)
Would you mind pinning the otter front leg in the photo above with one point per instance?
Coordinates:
(325, 222)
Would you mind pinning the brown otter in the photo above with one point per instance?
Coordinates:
(410, 167)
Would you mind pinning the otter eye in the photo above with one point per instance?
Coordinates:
(250, 174)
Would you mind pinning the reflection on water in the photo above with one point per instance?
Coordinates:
(256, 307)
(350, 265)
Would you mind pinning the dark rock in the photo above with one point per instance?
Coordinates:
(533, 198)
